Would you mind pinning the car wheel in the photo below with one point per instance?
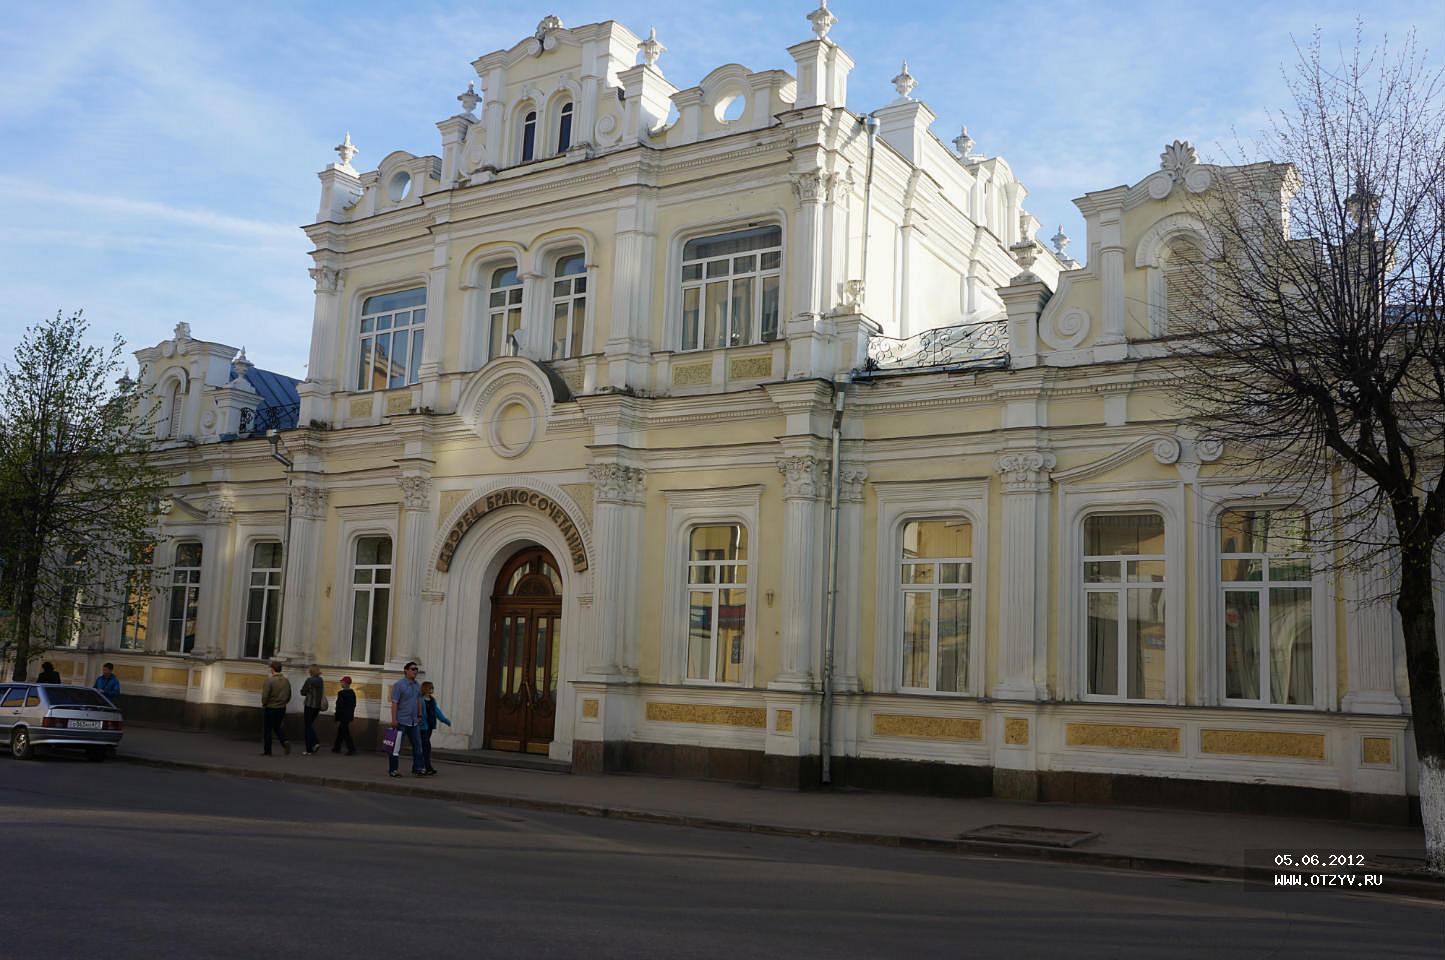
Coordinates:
(20, 747)
(95, 754)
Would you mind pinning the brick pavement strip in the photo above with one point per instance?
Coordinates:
(1399, 883)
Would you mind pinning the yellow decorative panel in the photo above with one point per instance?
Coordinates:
(363, 691)
(245, 681)
(133, 672)
(170, 675)
(398, 402)
(1263, 743)
(692, 374)
(590, 709)
(750, 368)
(1120, 737)
(783, 721)
(707, 713)
(1377, 750)
(195, 678)
(929, 728)
(359, 407)
(1016, 731)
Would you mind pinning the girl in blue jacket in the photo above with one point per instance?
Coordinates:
(434, 716)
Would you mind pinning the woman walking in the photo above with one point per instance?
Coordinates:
(313, 695)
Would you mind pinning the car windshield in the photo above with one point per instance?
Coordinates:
(74, 696)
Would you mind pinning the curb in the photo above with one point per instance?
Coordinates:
(1400, 884)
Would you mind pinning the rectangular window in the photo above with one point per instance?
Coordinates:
(138, 602)
(1267, 604)
(185, 598)
(263, 600)
(504, 310)
(730, 288)
(392, 334)
(569, 306)
(1124, 600)
(370, 599)
(717, 601)
(936, 581)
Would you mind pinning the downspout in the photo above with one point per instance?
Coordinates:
(870, 126)
(825, 731)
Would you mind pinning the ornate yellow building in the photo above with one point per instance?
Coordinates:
(644, 414)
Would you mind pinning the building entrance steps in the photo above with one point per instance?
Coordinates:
(504, 758)
(1165, 841)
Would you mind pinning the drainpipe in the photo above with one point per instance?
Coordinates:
(274, 438)
(870, 126)
(825, 731)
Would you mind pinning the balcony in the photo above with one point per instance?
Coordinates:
(964, 345)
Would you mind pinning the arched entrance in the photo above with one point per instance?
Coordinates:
(522, 654)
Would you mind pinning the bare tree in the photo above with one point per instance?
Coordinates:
(78, 492)
(1314, 336)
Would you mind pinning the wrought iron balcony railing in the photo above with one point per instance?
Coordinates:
(281, 416)
(963, 344)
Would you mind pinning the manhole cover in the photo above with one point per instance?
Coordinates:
(1034, 836)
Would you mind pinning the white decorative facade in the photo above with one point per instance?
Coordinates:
(642, 413)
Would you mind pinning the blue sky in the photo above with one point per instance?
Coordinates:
(158, 158)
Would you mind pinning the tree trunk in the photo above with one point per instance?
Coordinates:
(24, 614)
(1416, 604)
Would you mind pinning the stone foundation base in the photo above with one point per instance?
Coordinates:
(239, 722)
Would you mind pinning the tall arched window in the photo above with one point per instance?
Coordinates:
(172, 427)
(936, 582)
(529, 136)
(504, 310)
(1184, 285)
(569, 306)
(730, 288)
(564, 128)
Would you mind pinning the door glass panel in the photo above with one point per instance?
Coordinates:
(731, 618)
(542, 657)
(552, 649)
(504, 655)
(1291, 647)
(1241, 644)
(953, 615)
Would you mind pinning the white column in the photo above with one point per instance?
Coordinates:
(1371, 625)
(321, 373)
(617, 515)
(849, 600)
(303, 558)
(411, 571)
(1024, 595)
(804, 482)
(807, 254)
(436, 304)
(629, 337)
(215, 577)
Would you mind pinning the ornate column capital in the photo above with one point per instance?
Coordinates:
(1026, 472)
(617, 482)
(851, 477)
(415, 492)
(220, 510)
(804, 477)
(308, 502)
(328, 279)
(813, 186)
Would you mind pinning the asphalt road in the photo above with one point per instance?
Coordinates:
(121, 861)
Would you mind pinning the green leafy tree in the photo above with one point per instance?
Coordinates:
(78, 491)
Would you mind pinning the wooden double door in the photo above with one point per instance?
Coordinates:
(524, 653)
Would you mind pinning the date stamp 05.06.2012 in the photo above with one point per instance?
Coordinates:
(1280, 868)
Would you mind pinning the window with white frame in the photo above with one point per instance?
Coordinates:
(370, 599)
(564, 127)
(184, 599)
(717, 602)
(569, 306)
(1267, 597)
(136, 628)
(392, 335)
(529, 136)
(935, 581)
(504, 310)
(263, 600)
(1124, 606)
(731, 288)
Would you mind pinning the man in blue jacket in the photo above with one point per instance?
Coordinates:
(108, 683)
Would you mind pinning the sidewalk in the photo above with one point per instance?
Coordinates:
(1170, 841)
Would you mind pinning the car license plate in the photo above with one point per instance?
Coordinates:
(85, 724)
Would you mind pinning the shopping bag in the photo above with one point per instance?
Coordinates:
(390, 736)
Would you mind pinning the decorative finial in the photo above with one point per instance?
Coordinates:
(1363, 205)
(1060, 241)
(650, 48)
(1026, 253)
(183, 331)
(822, 20)
(241, 365)
(549, 23)
(346, 150)
(963, 143)
(904, 83)
(469, 99)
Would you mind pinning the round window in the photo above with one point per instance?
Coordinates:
(398, 186)
(730, 108)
